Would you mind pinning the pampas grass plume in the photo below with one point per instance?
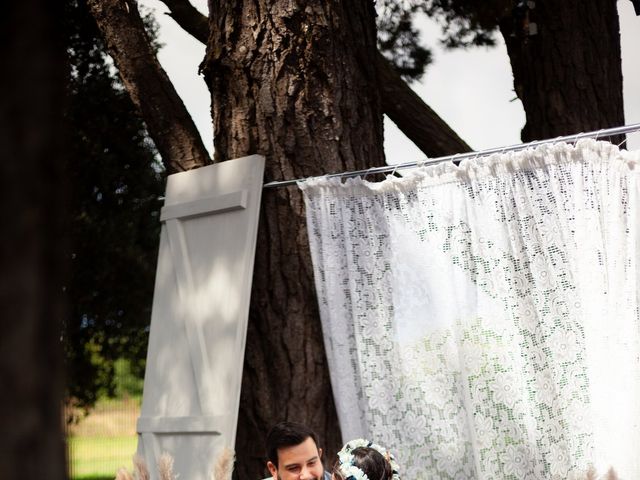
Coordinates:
(592, 474)
(223, 468)
(165, 467)
(140, 466)
(123, 474)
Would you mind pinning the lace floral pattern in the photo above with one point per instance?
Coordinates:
(478, 318)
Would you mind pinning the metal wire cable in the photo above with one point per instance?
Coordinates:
(605, 132)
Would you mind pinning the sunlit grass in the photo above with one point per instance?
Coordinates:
(104, 441)
(100, 456)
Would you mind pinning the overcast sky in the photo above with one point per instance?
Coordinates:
(472, 90)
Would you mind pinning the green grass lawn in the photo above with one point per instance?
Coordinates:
(94, 477)
(104, 441)
(100, 457)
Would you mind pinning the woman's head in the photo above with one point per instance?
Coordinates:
(362, 457)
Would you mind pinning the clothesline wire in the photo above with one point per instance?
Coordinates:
(605, 132)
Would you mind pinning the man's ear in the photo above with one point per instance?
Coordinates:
(320, 452)
(272, 470)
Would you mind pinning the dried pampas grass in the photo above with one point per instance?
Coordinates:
(165, 467)
(123, 474)
(591, 474)
(140, 467)
(223, 468)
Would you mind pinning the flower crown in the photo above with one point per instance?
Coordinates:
(348, 467)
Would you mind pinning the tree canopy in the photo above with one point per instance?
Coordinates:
(116, 186)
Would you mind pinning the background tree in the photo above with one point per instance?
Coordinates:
(32, 241)
(116, 183)
(565, 56)
(284, 86)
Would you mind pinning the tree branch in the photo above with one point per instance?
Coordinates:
(414, 118)
(189, 18)
(169, 124)
(400, 103)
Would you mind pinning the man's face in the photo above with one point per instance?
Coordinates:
(300, 462)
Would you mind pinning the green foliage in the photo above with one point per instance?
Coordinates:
(399, 39)
(468, 23)
(116, 184)
(127, 383)
(464, 24)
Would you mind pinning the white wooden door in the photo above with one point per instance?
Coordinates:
(199, 319)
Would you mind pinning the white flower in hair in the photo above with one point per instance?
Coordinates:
(345, 457)
(347, 460)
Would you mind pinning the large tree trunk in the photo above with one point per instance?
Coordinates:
(400, 103)
(567, 70)
(31, 246)
(296, 82)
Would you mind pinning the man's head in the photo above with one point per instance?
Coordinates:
(293, 453)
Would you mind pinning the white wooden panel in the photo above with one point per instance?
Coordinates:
(179, 424)
(218, 204)
(200, 308)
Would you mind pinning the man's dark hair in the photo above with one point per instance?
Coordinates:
(287, 434)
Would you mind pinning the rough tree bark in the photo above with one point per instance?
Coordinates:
(31, 244)
(167, 119)
(567, 71)
(284, 85)
(400, 103)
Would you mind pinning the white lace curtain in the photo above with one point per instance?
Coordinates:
(482, 321)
